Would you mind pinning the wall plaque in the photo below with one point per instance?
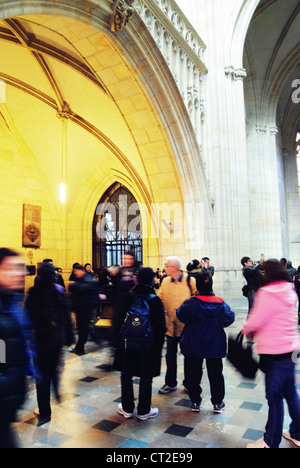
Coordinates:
(32, 220)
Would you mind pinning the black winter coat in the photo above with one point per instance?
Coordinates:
(136, 363)
(84, 295)
(48, 310)
(12, 371)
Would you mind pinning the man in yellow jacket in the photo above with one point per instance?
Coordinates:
(174, 291)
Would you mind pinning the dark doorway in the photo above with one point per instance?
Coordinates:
(117, 227)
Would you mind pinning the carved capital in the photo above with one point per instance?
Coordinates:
(235, 74)
(261, 129)
(273, 130)
(122, 13)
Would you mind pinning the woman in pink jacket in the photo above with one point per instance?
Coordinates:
(273, 322)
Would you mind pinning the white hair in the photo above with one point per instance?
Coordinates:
(175, 260)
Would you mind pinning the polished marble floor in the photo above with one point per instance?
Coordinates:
(87, 417)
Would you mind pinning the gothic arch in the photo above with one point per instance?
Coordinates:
(240, 22)
(272, 116)
(117, 227)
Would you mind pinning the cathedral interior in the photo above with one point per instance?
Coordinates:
(183, 118)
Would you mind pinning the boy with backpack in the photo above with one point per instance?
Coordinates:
(141, 331)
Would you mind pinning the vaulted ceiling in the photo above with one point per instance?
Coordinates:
(272, 60)
(34, 59)
(48, 77)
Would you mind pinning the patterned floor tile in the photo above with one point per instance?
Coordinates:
(88, 379)
(87, 416)
(251, 406)
(252, 434)
(55, 440)
(179, 431)
(105, 425)
(133, 443)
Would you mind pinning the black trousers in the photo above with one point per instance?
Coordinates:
(171, 360)
(48, 362)
(194, 374)
(145, 394)
(83, 318)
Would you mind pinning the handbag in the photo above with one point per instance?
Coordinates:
(245, 290)
(241, 357)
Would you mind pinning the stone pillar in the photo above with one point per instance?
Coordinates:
(227, 166)
(226, 155)
(293, 207)
(267, 195)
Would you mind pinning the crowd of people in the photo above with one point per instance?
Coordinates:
(254, 277)
(150, 308)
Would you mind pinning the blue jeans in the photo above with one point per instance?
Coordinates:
(280, 385)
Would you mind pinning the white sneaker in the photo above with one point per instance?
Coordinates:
(260, 444)
(123, 413)
(154, 412)
(288, 436)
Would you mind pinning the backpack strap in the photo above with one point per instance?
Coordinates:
(150, 296)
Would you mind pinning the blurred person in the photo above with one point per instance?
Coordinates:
(143, 364)
(284, 262)
(205, 264)
(175, 289)
(15, 333)
(46, 260)
(123, 279)
(88, 269)
(47, 306)
(158, 278)
(292, 271)
(251, 274)
(273, 322)
(297, 288)
(73, 277)
(59, 278)
(158, 274)
(193, 268)
(205, 316)
(85, 299)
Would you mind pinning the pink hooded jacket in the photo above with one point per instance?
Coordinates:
(273, 319)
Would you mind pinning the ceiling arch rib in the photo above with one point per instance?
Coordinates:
(280, 43)
(39, 50)
(14, 30)
(21, 85)
(274, 66)
(80, 121)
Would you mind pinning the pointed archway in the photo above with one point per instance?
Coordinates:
(117, 228)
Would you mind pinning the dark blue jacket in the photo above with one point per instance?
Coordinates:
(16, 333)
(205, 318)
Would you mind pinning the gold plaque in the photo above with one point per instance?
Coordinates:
(32, 219)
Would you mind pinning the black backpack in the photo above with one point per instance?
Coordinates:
(137, 332)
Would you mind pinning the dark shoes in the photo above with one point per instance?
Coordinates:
(43, 420)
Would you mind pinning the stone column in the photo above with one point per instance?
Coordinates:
(267, 196)
(227, 170)
(293, 207)
(227, 165)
